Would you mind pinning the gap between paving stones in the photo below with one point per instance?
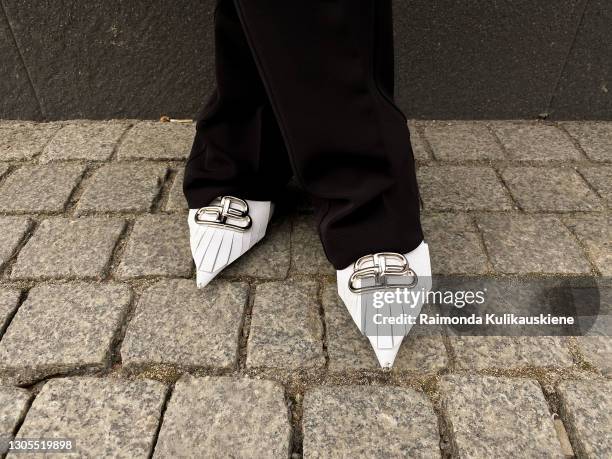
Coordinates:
(562, 127)
(167, 397)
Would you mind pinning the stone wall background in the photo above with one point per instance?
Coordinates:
(63, 59)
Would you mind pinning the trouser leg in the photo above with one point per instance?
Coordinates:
(327, 70)
(238, 149)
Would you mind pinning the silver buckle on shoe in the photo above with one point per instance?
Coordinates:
(381, 266)
(226, 212)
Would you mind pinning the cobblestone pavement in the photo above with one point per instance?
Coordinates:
(105, 339)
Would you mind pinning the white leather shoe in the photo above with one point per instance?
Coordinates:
(363, 285)
(223, 231)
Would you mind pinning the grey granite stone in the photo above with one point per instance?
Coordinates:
(94, 141)
(597, 350)
(35, 188)
(519, 243)
(61, 328)
(369, 421)
(586, 409)
(419, 147)
(106, 417)
(9, 300)
(460, 141)
(122, 187)
(270, 258)
(525, 141)
(12, 232)
(495, 352)
(600, 178)
(176, 198)
(158, 246)
(155, 140)
(14, 403)
(225, 417)
(176, 323)
(594, 137)
(595, 232)
(308, 256)
(462, 188)
(349, 350)
(24, 140)
(63, 247)
(540, 189)
(498, 417)
(454, 244)
(286, 330)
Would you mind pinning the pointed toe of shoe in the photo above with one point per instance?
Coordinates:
(386, 357)
(204, 278)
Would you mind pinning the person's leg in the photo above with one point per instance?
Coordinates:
(238, 149)
(326, 68)
(238, 161)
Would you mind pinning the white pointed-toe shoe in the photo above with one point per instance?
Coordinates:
(384, 294)
(223, 231)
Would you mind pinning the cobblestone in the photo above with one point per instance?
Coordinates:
(19, 141)
(12, 232)
(454, 244)
(461, 141)
(531, 244)
(498, 417)
(14, 403)
(502, 352)
(539, 189)
(286, 330)
(270, 258)
(64, 247)
(369, 421)
(158, 246)
(122, 187)
(154, 140)
(537, 207)
(33, 188)
(419, 149)
(586, 409)
(105, 417)
(176, 323)
(462, 188)
(93, 141)
(349, 350)
(600, 178)
(535, 142)
(597, 350)
(176, 198)
(220, 417)
(9, 300)
(595, 138)
(308, 256)
(61, 328)
(595, 232)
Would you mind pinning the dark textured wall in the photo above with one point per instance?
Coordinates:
(455, 59)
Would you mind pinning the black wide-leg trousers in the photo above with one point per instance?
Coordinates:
(305, 89)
